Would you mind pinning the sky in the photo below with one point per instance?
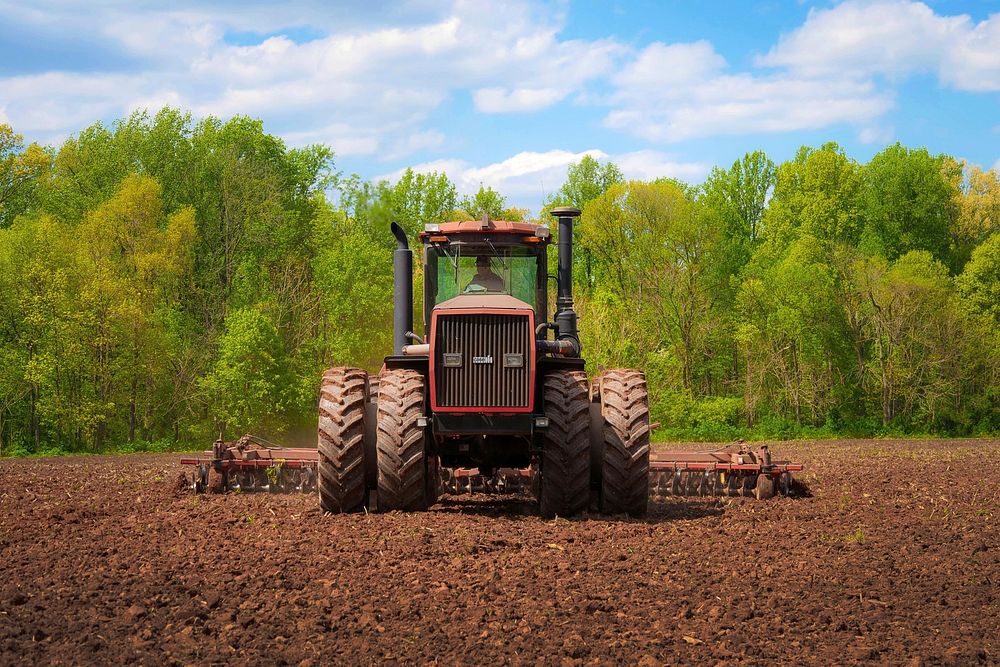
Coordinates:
(508, 94)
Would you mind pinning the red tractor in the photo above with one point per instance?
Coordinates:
(486, 386)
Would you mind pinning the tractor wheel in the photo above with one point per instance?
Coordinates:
(565, 483)
(625, 433)
(341, 465)
(402, 463)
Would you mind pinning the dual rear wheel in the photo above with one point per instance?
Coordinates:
(367, 444)
(596, 445)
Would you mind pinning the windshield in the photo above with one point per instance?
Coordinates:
(486, 270)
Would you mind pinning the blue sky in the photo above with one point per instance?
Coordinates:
(509, 94)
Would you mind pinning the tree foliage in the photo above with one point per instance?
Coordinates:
(166, 278)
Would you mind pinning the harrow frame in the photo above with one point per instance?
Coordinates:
(253, 463)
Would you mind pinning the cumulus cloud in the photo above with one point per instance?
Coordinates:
(839, 67)
(528, 177)
(667, 65)
(893, 38)
(528, 174)
(648, 165)
(372, 79)
(658, 100)
(379, 83)
(501, 100)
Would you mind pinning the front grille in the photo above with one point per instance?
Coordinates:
(482, 385)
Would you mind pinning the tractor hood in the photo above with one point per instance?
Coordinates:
(484, 301)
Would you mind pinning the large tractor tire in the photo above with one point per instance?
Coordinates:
(341, 465)
(565, 483)
(402, 460)
(624, 440)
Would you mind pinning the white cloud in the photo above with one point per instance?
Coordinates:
(527, 174)
(648, 165)
(876, 135)
(378, 79)
(893, 38)
(345, 139)
(656, 103)
(996, 165)
(431, 139)
(373, 79)
(665, 65)
(527, 178)
(825, 74)
(501, 100)
(56, 101)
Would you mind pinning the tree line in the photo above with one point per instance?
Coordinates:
(164, 280)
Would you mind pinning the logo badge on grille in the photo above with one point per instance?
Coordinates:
(488, 359)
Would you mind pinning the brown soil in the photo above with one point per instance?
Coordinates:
(895, 558)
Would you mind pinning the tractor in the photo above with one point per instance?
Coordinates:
(494, 382)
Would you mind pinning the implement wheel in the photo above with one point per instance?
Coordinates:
(565, 483)
(402, 462)
(624, 404)
(218, 481)
(341, 465)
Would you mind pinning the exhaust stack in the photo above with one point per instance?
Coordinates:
(565, 317)
(402, 290)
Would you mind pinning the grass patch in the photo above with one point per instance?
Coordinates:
(137, 447)
(856, 537)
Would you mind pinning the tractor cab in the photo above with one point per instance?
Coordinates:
(484, 258)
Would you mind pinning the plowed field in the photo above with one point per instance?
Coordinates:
(893, 558)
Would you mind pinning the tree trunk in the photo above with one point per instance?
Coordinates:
(33, 421)
(131, 410)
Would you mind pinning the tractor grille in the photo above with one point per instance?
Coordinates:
(475, 361)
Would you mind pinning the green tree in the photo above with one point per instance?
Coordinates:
(651, 243)
(20, 171)
(135, 270)
(909, 203)
(586, 180)
(979, 283)
(741, 194)
(978, 201)
(486, 201)
(247, 386)
(913, 328)
(818, 193)
(791, 331)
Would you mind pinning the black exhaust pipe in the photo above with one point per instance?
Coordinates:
(402, 290)
(565, 316)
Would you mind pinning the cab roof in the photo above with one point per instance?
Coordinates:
(486, 226)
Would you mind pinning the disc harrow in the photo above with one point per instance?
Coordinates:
(458, 481)
(736, 470)
(254, 464)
